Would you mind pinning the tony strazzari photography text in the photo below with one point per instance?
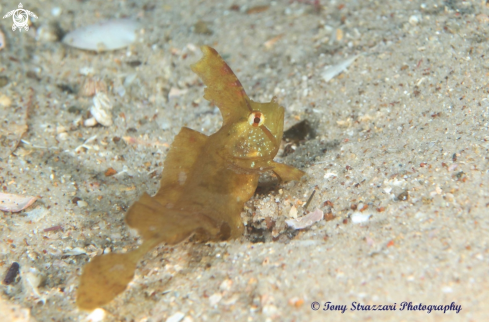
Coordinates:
(403, 306)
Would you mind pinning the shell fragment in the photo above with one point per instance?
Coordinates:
(15, 203)
(103, 36)
(101, 109)
(306, 221)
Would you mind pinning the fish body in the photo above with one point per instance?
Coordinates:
(205, 182)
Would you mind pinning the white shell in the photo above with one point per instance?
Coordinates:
(102, 36)
(306, 221)
(101, 109)
(333, 71)
(15, 203)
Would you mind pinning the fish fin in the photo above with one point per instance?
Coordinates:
(108, 275)
(159, 223)
(286, 172)
(154, 217)
(223, 87)
(104, 278)
(184, 152)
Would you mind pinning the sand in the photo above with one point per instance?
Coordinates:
(399, 161)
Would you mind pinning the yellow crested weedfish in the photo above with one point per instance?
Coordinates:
(205, 182)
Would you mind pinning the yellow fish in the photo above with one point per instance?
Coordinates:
(205, 182)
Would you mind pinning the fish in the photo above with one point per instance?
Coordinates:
(205, 181)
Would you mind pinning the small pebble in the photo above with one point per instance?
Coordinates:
(257, 9)
(62, 136)
(452, 167)
(359, 217)
(110, 172)
(403, 196)
(214, 299)
(339, 34)
(61, 129)
(176, 92)
(65, 88)
(226, 285)
(82, 204)
(413, 20)
(5, 101)
(86, 70)
(134, 63)
(447, 289)
(295, 301)
(56, 11)
(90, 122)
(12, 273)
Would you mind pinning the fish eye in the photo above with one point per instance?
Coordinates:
(256, 118)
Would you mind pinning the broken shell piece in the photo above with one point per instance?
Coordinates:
(31, 279)
(333, 71)
(75, 251)
(103, 36)
(101, 109)
(15, 203)
(306, 221)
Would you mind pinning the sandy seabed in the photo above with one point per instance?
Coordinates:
(399, 161)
